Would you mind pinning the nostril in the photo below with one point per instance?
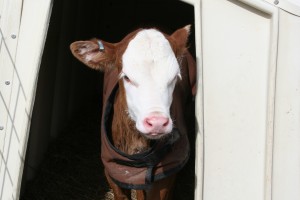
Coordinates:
(147, 121)
(166, 123)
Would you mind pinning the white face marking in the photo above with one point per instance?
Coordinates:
(89, 58)
(150, 70)
(87, 48)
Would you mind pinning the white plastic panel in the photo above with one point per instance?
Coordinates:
(10, 11)
(238, 89)
(249, 131)
(23, 31)
(291, 6)
(286, 165)
(9, 29)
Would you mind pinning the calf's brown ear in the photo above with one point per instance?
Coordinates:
(96, 54)
(179, 40)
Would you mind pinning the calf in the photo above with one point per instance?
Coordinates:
(149, 84)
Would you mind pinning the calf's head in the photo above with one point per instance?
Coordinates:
(148, 65)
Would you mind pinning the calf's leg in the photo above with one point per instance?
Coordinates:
(161, 190)
(140, 195)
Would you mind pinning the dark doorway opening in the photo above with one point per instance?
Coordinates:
(63, 153)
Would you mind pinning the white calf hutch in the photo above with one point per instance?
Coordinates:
(247, 105)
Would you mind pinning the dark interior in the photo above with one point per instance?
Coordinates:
(69, 93)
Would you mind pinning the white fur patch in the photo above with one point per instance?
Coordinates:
(150, 62)
(88, 57)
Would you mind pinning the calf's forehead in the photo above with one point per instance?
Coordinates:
(149, 53)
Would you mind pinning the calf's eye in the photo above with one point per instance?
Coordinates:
(126, 79)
